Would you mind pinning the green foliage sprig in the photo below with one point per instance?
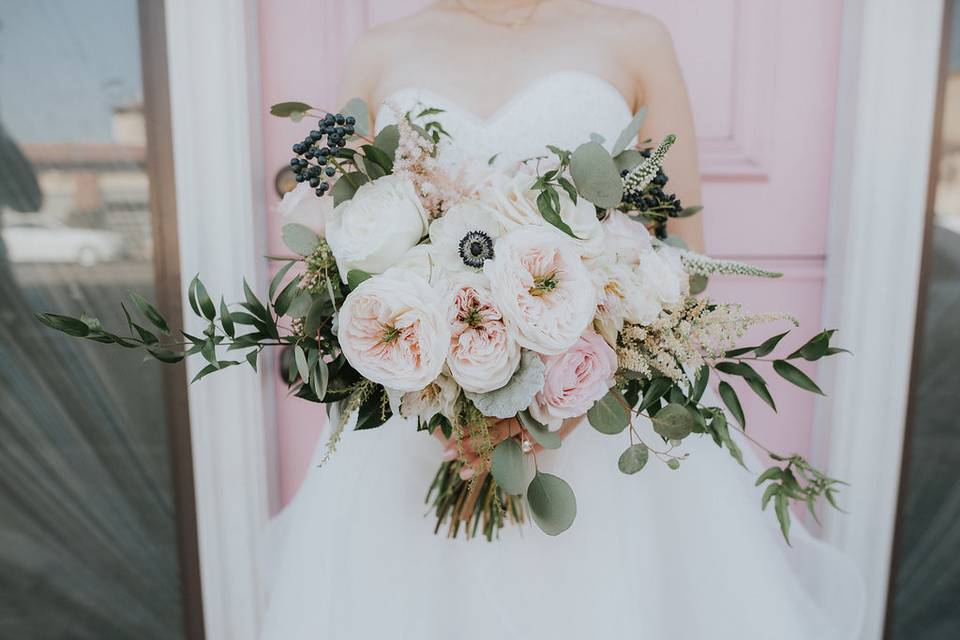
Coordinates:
(676, 411)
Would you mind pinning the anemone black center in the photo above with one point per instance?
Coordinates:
(476, 248)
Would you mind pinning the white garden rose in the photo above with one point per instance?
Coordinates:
(483, 354)
(372, 230)
(422, 260)
(463, 238)
(302, 206)
(393, 330)
(440, 396)
(625, 240)
(582, 220)
(542, 288)
(514, 205)
(512, 199)
(622, 295)
(664, 277)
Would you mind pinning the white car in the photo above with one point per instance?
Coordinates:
(48, 241)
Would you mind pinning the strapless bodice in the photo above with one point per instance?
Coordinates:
(563, 108)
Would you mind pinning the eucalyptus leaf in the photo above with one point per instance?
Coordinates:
(552, 503)
(539, 432)
(357, 108)
(301, 360)
(300, 306)
(633, 459)
(674, 422)
(629, 132)
(320, 377)
(608, 415)
(517, 394)
(355, 277)
(596, 175)
(387, 140)
(346, 186)
(627, 160)
(698, 283)
(507, 467)
(378, 156)
(300, 239)
(252, 358)
(288, 109)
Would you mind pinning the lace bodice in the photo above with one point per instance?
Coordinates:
(562, 108)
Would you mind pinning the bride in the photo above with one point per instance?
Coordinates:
(679, 555)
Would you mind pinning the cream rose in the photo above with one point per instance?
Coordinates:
(542, 288)
(483, 354)
(372, 230)
(302, 206)
(393, 330)
(514, 205)
(513, 201)
(622, 295)
(625, 240)
(439, 396)
(663, 276)
(575, 380)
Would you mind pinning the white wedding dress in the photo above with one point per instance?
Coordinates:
(679, 555)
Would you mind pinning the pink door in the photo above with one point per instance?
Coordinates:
(762, 76)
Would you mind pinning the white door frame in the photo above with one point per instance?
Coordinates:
(884, 132)
(885, 123)
(213, 65)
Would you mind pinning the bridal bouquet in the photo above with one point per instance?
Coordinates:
(493, 303)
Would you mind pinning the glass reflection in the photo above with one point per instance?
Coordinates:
(87, 530)
(926, 567)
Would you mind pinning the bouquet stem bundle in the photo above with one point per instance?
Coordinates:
(475, 505)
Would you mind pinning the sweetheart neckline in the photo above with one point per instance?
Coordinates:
(511, 100)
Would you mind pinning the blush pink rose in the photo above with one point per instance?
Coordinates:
(574, 380)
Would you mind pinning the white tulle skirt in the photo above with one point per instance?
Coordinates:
(679, 555)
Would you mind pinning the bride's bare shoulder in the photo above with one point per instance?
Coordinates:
(636, 28)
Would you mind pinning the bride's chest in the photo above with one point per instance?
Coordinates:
(562, 108)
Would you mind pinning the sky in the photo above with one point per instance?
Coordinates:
(64, 65)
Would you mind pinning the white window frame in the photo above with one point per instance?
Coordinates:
(212, 49)
(885, 123)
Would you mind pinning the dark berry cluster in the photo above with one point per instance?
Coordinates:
(320, 147)
(654, 199)
(654, 202)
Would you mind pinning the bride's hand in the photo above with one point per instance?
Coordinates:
(499, 431)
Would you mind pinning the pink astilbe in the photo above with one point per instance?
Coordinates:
(416, 159)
